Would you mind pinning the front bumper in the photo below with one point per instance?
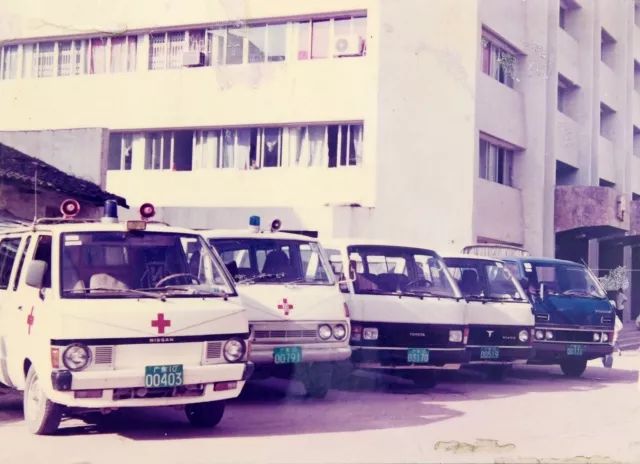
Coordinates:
(311, 352)
(396, 358)
(65, 386)
(555, 352)
(507, 355)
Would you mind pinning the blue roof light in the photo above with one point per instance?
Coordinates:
(254, 221)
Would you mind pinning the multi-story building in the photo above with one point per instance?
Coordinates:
(442, 122)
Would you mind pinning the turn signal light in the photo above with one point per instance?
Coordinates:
(55, 357)
(222, 386)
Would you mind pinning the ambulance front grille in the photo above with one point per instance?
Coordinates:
(103, 355)
(285, 334)
(214, 350)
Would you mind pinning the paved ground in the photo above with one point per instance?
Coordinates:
(629, 337)
(536, 415)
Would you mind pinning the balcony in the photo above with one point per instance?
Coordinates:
(500, 111)
(609, 87)
(606, 161)
(568, 54)
(498, 212)
(257, 93)
(567, 138)
(588, 211)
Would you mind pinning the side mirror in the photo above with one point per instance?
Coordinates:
(36, 272)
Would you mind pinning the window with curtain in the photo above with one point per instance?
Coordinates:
(234, 53)
(257, 41)
(498, 62)
(496, 163)
(123, 53)
(9, 62)
(97, 55)
(120, 152)
(320, 39)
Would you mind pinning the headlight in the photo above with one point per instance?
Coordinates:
(539, 334)
(339, 331)
(325, 332)
(605, 337)
(596, 336)
(370, 333)
(76, 357)
(548, 335)
(523, 336)
(234, 350)
(455, 336)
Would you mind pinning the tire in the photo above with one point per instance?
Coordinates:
(497, 373)
(41, 414)
(207, 414)
(424, 378)
(573, 367)
(317, 380)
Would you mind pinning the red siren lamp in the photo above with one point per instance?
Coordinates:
(69, 208)
(147, 211)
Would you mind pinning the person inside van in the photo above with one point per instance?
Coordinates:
(360, 282)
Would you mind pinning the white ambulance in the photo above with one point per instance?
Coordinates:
(100, 315)
(407, 314)
(298, 318)
(499, 313)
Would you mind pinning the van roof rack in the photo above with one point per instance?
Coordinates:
(495, 250)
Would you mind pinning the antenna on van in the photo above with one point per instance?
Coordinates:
(35, 195)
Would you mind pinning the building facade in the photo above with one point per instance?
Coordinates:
(440, 122)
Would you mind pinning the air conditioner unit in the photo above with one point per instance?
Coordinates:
(347, 45)
(193, 58)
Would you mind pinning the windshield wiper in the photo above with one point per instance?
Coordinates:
(130, 291)
(574, 292)
(261, 276)
(191, 290)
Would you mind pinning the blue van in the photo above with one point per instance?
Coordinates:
(574, 320)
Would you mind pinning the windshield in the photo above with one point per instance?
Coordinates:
(392, 269)
(274, 261)
(562, 279)
(139, 264)
(486, 279)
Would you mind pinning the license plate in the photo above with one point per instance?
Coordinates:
(489, 352)
(163, 376)
(575, 350)
(418, 355)
(287, 354)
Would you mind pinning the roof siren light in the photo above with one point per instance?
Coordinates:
(254, 223)
(275, 225)
(110, 212)
(147, 211)
(69, 208)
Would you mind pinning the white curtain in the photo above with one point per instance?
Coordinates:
(356, 136)
(228, 143)
(243, 148)
(298, 146)
(317, 146)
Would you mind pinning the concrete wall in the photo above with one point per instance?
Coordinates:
(81, 152)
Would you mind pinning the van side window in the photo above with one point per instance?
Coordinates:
(43, 253)
(21, 263)
(8, 252)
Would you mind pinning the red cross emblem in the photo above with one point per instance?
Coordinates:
(285, 306)
(30, 320)
(161, 323)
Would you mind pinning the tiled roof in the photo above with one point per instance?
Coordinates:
(19, 168)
